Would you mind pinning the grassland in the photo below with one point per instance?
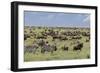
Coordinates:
(30, 38)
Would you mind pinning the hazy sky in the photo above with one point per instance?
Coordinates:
(58, 19)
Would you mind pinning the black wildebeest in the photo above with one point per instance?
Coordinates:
(31, 49)
(78, 47)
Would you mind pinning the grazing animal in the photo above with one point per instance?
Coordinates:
(86, 33)
(74, 42)
(48, 48)
(41, 37)
(64, 48)
(31, 49)
(88, 56)
(26, 36)
(41, 42)
(78, 47)
(87, 40)
(76, 37)
(63, 38)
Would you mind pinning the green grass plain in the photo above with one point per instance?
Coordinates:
(59, 54)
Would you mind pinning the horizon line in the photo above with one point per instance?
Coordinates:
(60, 26)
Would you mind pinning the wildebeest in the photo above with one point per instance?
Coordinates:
(87, 40)
(31, 49)
(88, 56)
(41, 37)
(63, 38)
(74, 42)
(76, 37)
(69, 33)
(48, 48)
(85, 33)
(41, 42)
(78, 47)
(26, 36)
(65, 48)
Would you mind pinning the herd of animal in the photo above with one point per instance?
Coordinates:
(42, 44)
